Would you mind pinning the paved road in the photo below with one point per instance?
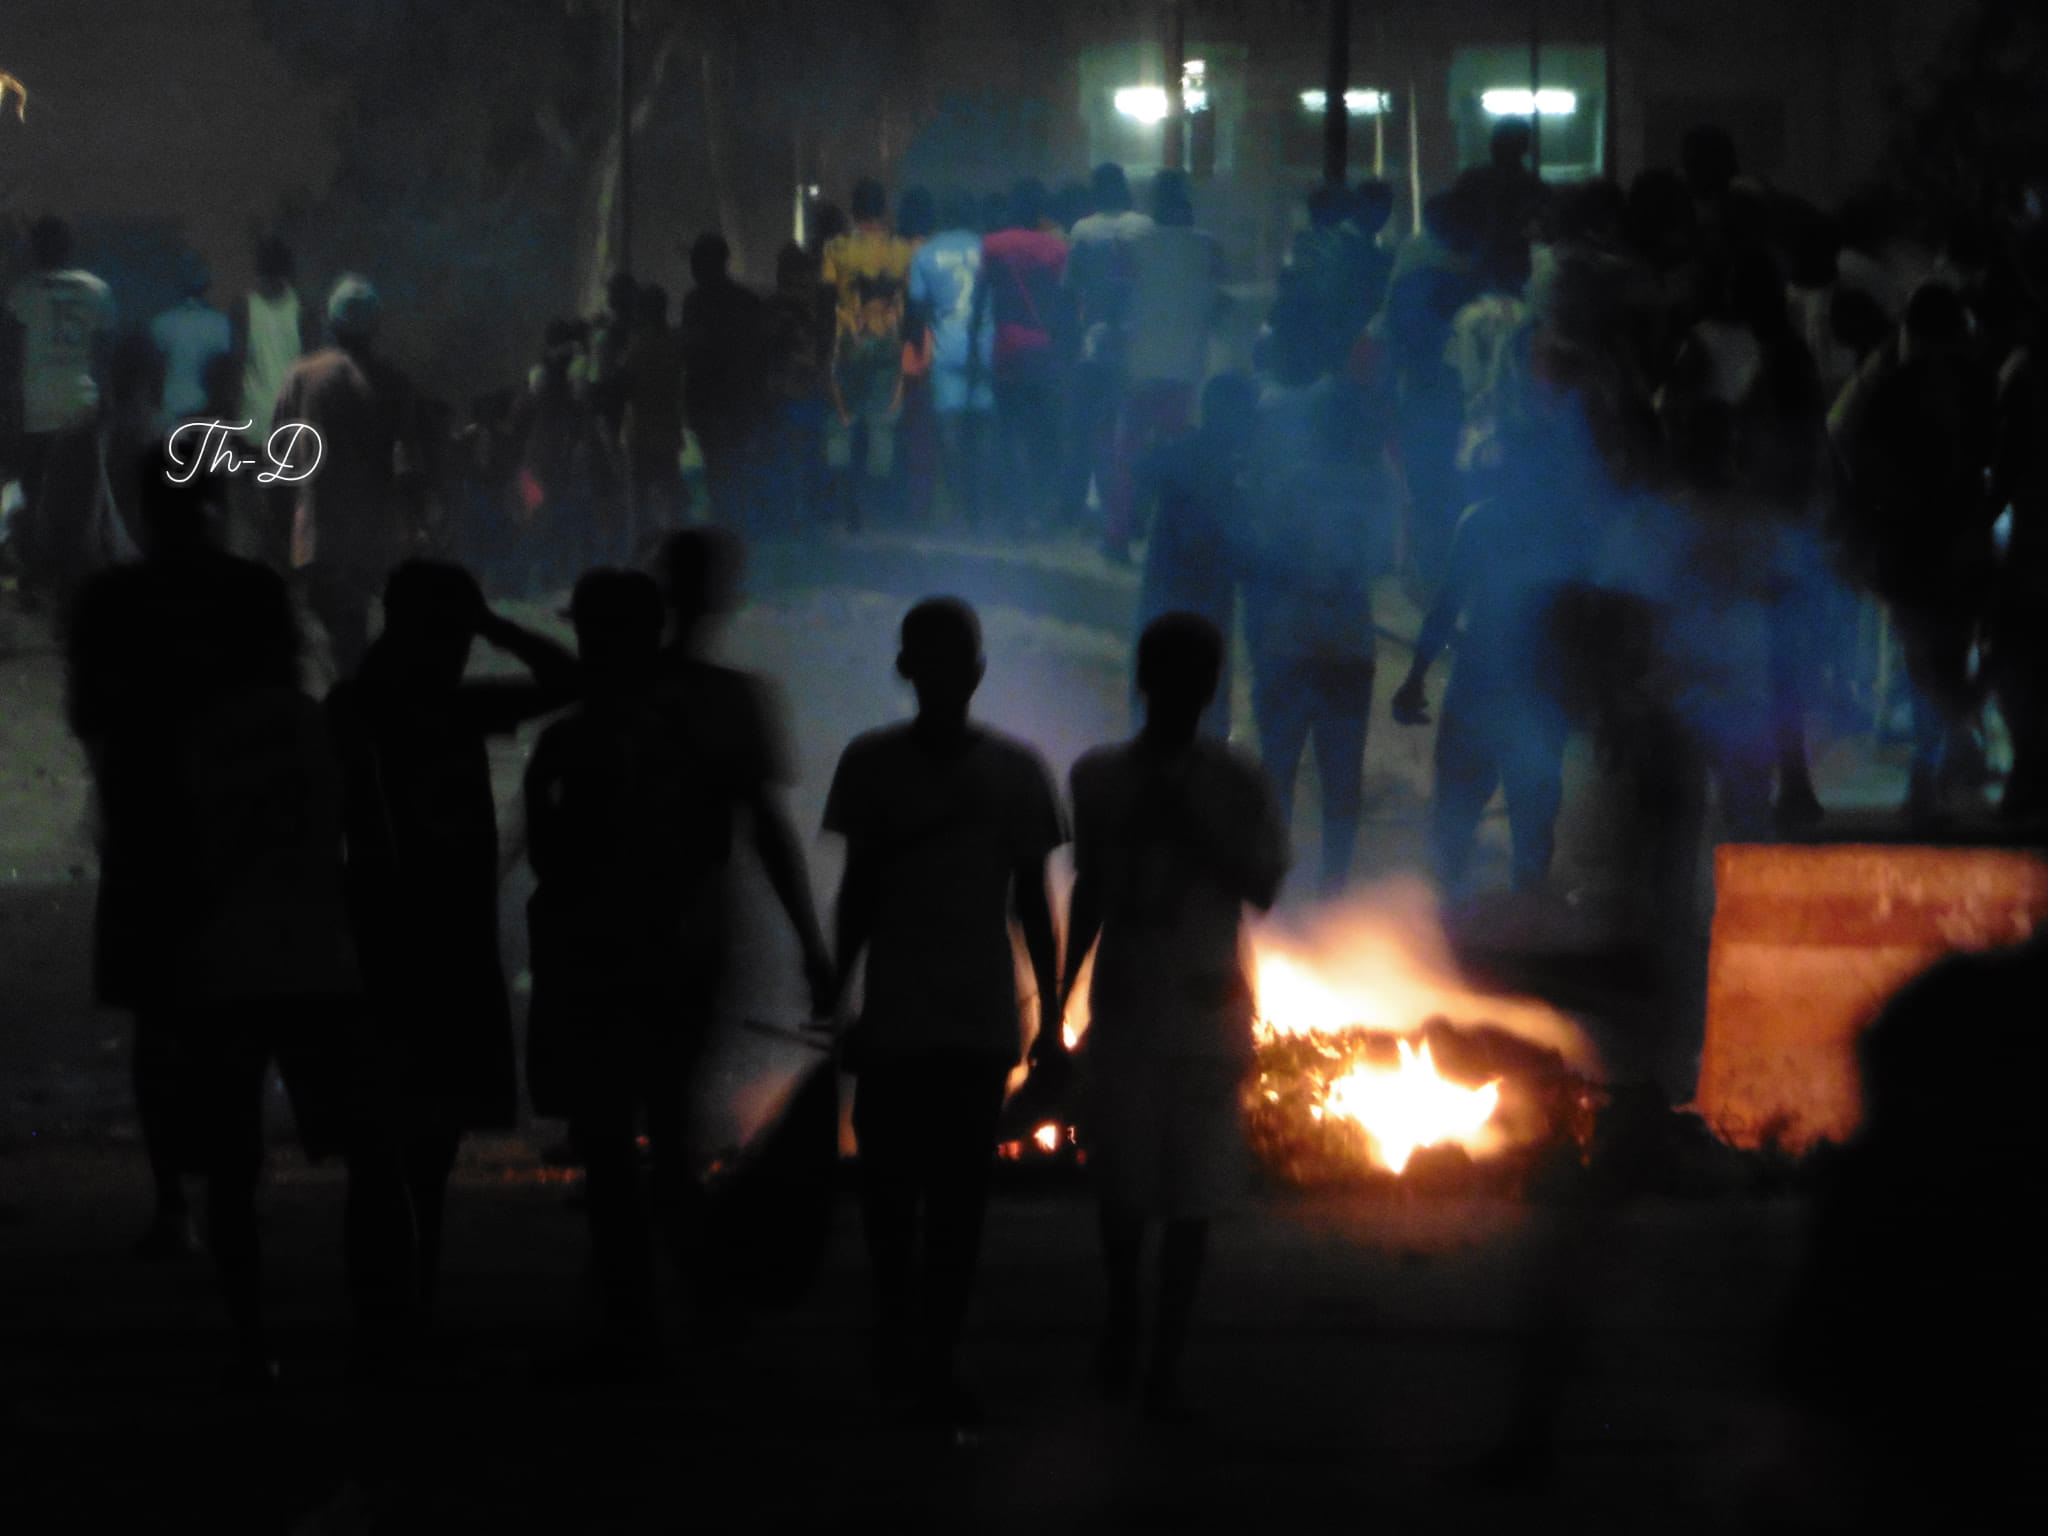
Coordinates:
(1351, 1354)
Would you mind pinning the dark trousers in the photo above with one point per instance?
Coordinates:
(926, 1126)
(54, 541)
(1154, 411)
(1027, 438)
(1295, 699)
(963, 464)
(1486, 740)
(1094, 404)
(158, 1075)
(641, 1074)
(340, 1103)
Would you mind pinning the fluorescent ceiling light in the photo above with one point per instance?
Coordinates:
(1518, 102)
(1356, 103)
(1147, 103)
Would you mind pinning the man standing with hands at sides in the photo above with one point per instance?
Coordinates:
(947, 825)
(1174, 832)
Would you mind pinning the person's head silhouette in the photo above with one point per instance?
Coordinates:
(700, 571)
(1180, 661)
(431, 611)
(941, 658)
(618, 617)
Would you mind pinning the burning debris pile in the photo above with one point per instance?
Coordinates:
(1362, 1074)
(1463, 1103)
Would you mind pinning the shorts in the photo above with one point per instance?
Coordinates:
(1165, 1134)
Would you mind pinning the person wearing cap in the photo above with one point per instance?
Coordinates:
(347, 524)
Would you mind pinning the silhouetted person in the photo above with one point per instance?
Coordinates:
(798, 320)
(1502, 723)
(651, 379)
(227, 911)
(1506, 193)
(423, 864)
(1020, 289)
(1415, 328)
(1176, 293)
(870, 267)
(944, 274)
(623, 831)
(1194, 559)
(1917, 429)
(1335, 266)
(722, 381)
(66, 317)
(1100, 274)
(1322, 531)
(149, 645)
(268, 337)
(1914, 1336)
(948, 826)
(560, 443)
(348, 526)
(190, 335)
(1174, 832)
(734, 726)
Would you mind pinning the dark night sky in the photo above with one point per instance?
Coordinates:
(158, 107)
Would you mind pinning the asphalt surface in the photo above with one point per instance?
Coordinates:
(1352, 1355)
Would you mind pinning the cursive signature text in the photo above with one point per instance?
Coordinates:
(293, 450)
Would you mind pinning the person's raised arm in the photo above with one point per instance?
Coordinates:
(1041, 943)
(553, 665)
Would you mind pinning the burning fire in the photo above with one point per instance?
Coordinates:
(1347, 1006)
(1331, 1002)
(1410, 1107)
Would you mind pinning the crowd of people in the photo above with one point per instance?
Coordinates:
(314, 887)
(1647, 454)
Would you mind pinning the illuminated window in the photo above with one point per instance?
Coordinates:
(1356, 103)
(1519, 102)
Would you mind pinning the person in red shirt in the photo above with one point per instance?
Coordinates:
(1022, 266)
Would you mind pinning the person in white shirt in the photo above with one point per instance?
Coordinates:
(1176, 286)
(1174, 832)
(1098, 279)
(269, 336)
(66, 318)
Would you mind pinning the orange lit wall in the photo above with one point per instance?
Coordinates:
(1809, 943)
